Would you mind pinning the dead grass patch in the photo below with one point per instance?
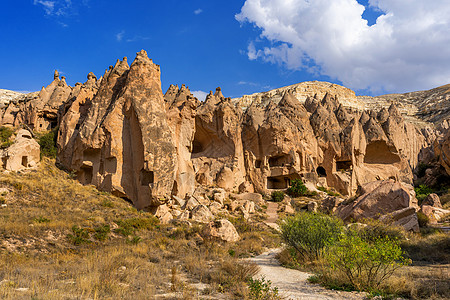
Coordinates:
(41, 255)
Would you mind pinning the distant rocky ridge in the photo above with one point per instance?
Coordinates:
(123, 135)
(420, 108)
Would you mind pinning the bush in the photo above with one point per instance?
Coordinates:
(47, 141)
(5, 137)
(261, 289)
(277, 196)
(422, 191)
(297, 188)
(329, 193)
(310, 233)
(376, 229)
(366, 264)
(129, 226)
(102, 232)
(79, 236)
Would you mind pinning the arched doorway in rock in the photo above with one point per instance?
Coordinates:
(321, 171)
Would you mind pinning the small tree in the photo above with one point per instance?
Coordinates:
(310, 233)
(47, 141)
(277, 196)
(297, 188)
(366, 264)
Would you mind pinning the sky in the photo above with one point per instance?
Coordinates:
(371, 46)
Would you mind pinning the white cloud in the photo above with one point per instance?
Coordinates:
(406, 49)
(48, 6)
(119, 36)
(200, 95)
(198, 11)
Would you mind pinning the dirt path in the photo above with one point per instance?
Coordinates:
(272, 215)
(293, 284)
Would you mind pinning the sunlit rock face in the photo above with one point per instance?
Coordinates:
(122, 135)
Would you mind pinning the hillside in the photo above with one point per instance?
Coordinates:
(62, 240)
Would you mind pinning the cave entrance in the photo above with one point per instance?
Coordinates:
(278, 182)
(86, 174)
(279, 161)
(344, 165)
(258, 163)
(25, 161)
(379, 153)
(321, 172)
(146, 177)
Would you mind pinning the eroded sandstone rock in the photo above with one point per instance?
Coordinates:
(22, 154)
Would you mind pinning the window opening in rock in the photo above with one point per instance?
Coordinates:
(4, 162)
(77, 126)
(321, 172)
(147, 177)
(279, 161)
(343, 165)
(258, 163)
(276, 183)
(86, 174)
(25, 161)
(53, 124)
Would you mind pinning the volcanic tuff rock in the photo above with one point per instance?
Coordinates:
(22, 154)
(121, 134)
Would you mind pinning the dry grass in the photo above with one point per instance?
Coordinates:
(118, 253)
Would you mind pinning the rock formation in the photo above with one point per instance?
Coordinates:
(121, 134)
(22, 154)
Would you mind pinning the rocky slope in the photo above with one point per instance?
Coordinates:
(123, 135)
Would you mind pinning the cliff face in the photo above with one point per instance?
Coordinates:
(121, 134)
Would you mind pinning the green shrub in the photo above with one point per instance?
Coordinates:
(261, 289)
(5, 137)
(129, 226)
(102, 232)
(134, 240)
(277, 196)
(47, 141)
(41, 220)
(297, 188)
(310, 233)
(79, 236)
(376, 229)
(422, 219)
(422, 191)
(329, 193)
(366, 264)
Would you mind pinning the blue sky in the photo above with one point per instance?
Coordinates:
(210, 43)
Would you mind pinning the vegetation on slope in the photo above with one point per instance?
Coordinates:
(374, 257)
(60, 239)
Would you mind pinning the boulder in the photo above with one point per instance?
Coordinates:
(191, 203)
(377, 199)
(406, 218)
(434, 214)
(219, 197)
(215, 208)
(221, 229)
(432, 200)
(330, 204)
(178, 201)
(312, 206)
(201, 214)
